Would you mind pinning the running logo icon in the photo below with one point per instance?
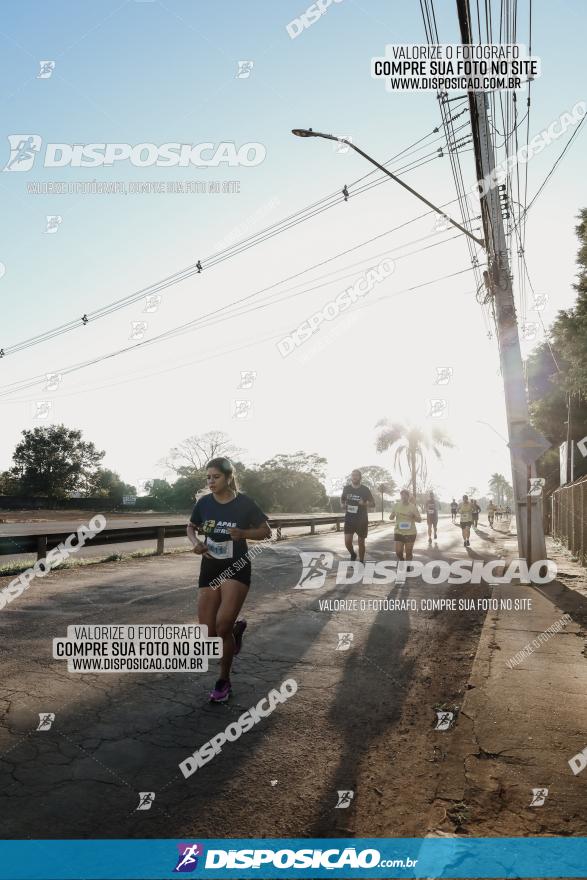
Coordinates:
(540, 300)
(529, 332)
(46, 71)
(152, 303)
(247, 379)
(53, 222)
(437, 408)
(345, 641)
(444, 720)
(441, 223)
(241, 409)
(23, 151)
(52, 381)
(187, 860)
(344, 799)
(315, 567)
(42, 409)
(138, 329)
(539, 796)
(245, 68)
(443, 375)
(146, 799)
(342, 148)
(46, 719)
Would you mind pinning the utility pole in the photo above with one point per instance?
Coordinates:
(524, 442)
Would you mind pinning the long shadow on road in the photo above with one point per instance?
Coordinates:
(115, 736)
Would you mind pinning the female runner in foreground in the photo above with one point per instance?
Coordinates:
(227, 518)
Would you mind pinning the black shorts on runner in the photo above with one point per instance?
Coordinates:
(404, 539)
(360, 529)
(214, 571)
(466, 525)
(432, 519)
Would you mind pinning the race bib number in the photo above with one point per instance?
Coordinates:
(220, 549)
(432, 509)
(352, 508)
(404, 525)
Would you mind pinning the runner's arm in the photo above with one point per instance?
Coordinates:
(258, 526)
(370, 501)
(256, 534)
(199, 546)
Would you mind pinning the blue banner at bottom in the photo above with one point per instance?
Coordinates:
(524, 857)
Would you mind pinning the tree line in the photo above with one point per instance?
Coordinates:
(57, 463)
(557, 375)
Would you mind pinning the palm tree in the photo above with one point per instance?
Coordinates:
(498, 486)
(411, 445)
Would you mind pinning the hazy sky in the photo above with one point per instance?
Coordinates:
(166, 72)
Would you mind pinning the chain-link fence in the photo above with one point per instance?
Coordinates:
(569, 517)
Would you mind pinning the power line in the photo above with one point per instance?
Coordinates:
(239, 247)
(221, 314)
(256, 342)
(552, 170)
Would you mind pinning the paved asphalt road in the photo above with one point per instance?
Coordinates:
(362, 719)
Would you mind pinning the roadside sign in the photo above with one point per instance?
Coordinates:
(129, 499)
(528, 443)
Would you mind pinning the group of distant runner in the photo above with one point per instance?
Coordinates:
(227, 517)
(494, 513)
(356, 499)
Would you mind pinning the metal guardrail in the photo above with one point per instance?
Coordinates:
(42, 542)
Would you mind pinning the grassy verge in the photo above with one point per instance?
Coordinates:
(13, 568)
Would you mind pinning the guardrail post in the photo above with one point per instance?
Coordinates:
(312, 528)
(573, 520)
(41, 546)
(583, 524)
(160, 540)
(279, 533)
(338, 525)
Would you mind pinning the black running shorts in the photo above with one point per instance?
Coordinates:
(215, 571)
(360, 528)
(403, 539)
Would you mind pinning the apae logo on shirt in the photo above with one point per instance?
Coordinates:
(223, 527)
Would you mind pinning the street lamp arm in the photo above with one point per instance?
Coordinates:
(307, 132)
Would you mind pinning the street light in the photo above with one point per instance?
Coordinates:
(307, 132)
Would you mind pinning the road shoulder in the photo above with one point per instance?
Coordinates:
(522, 720)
